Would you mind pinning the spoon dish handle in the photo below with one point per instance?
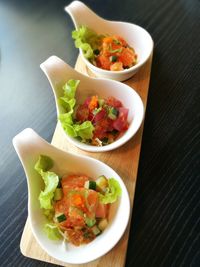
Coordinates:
(57, 72)
(81, 14)
(26, 143)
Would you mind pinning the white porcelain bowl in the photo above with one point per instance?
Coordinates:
(136, 37)
(29, 146)
(58, 73)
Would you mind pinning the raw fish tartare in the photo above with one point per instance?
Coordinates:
(108, 52)
(76, 206)
(97, 121)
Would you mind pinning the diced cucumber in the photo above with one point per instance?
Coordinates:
(96, 52)
(90, 221)
(101, 183)
(59, 182)
(116, 41)
(104, 140)
(61, 218)
(103, 224)
(113, 113)
(90, 185)
(95, 229)
(114, 132)
(96, 110)
(113, 58)
(101, 102)
(58, 194)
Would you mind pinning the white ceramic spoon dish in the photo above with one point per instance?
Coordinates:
(58, 73)
(136, 37)
(29, 146)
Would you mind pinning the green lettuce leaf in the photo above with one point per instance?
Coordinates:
(50, 180)
(84, 130)
(114, 191)
(52, 231)
(70, 88)
(67, 123)
(68, 102)
(68, 105)
(66, 118)
(87, 40)
(43, 164)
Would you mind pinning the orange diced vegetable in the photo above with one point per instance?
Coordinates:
(108, 39)
(93, 103)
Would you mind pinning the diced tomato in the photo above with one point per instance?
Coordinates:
(103, 62)
(127, 57)
(121, 123)
(113, 102)
(82, 113)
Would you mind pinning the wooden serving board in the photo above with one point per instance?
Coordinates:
(123, 160)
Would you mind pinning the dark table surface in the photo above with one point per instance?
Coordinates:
(165, 227)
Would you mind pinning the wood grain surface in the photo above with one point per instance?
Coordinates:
(165, 226)
(123, 160)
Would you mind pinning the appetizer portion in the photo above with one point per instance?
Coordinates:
(76, 206)
(97, 121)
(108, 52)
